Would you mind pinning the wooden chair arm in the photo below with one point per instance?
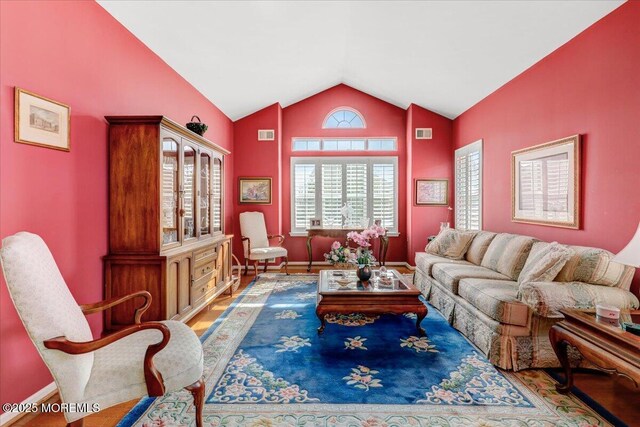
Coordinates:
(280, 236)
(248, 244)
(153, 377)
(103, 305)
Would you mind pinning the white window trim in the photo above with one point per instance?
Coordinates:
(464, 151)
(316, 160)
(344, 138)
(335, 110)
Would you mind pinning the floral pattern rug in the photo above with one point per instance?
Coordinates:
(265, 365)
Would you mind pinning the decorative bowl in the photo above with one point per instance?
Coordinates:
(343, 282)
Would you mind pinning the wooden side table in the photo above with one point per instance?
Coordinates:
(607, 346)
(341, 233)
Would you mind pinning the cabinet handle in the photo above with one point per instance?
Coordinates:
(181, 212)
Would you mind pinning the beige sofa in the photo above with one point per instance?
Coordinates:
(509, 321)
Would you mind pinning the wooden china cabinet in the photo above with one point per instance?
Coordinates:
(166, 231)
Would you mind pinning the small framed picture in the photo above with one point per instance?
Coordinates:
(41, 121)
(315, 223)
(255, 190)
(432, 192)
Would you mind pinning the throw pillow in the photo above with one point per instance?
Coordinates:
(479, 246)
(451, 243)
(544, 262)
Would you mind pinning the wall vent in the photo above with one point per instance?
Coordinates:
(424, 133)
(266, 135)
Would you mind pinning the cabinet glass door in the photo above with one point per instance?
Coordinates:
(169, 215)
(189, 192)
(205, 193)
(216, 194)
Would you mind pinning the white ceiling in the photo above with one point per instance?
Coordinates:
(445, 56)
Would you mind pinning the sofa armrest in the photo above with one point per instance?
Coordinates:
(547, 298)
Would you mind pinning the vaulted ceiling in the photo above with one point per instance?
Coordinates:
(445, 56)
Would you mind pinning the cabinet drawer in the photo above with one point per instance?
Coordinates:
(205, 269)
(201, 287)
(204, 256)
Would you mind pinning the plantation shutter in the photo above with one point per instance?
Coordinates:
(384, 197)
(304, 195)
(356, 190)
(468, 187)
(331, 194)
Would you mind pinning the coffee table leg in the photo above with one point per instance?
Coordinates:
(421, 313)
(323, 322)
(560, 345)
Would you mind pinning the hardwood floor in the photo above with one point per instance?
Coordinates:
(617, 395)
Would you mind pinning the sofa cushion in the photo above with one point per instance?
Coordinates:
(507, 254)
(425, 261)
(495, 298)
(479, 246)
(544, 262)
(450, 243)
(593, 265)
(449, 275)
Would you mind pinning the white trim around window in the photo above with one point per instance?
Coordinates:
(371, 183)
(369, 143)
(468, 186)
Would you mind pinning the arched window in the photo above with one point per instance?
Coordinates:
(344, 117)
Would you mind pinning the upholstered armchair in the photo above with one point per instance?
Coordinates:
(256, 242)
(149, 358)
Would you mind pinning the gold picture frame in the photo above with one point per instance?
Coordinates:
(432, 192)
(41, 121)
(545, 183)
(254, 190)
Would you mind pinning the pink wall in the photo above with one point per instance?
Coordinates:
(305, 118)
(590, 86)
(76, 53)
(430, 159)
(253, 158)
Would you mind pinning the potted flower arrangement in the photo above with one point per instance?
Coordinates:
(340, 256)
(364, 257)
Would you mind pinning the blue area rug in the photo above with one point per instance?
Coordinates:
(265, 364)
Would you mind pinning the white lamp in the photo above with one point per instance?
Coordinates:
(630, 255)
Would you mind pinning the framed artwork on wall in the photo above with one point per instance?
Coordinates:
(432, 192)
(545, 183)
(255, 191)
(41, 121)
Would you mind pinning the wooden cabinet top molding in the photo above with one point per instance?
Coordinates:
(168, 123)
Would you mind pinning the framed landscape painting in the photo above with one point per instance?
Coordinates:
(432, 192)
(41, 121)
(545, 183)
(255, 190)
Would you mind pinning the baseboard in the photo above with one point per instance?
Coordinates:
(38, 397)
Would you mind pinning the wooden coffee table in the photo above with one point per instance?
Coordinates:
(604, 344)
(367, 298)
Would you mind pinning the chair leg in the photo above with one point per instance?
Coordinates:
(76, 423)
(246, 266)
(255, 267)
(286, 265)
(197, 390)
(266, 262)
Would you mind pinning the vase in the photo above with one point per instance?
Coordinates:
(364, 273)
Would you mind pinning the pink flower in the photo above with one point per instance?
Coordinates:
(335, 245)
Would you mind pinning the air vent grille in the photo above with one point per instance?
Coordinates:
(266, 135)
(424, 133)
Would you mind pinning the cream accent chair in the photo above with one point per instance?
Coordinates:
(148, 358)
(256, 242)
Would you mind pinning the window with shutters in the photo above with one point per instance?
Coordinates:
(468, 187)
(321, 186)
